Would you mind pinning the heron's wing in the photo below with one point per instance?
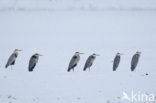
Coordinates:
(32, 63)
(89, 62)
(135, 60)
(11, 59)
(116, 61)
(73, 61)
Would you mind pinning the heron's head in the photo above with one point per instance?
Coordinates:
(78, 53)
(17, 50)
(139, 53)
(119, 54)
(95, 54)
(38, 54)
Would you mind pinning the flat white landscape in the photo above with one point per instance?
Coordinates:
(70, 5)
(58, 35)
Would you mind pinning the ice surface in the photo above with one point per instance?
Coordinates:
(57, 35)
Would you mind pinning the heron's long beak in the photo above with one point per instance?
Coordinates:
(122, 54)
(40, 55)
(139, 52)
(97, 55)
(81, 53)
(20, 50)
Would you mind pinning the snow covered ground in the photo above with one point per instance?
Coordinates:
(57, 35)
(68, 5)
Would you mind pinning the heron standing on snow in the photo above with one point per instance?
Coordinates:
(90, 61)
(12, 58)
(33, 61)
(135, 60)
(116, 61)
(73, 62)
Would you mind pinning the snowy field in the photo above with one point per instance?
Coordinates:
(58, 35)
(69, 5)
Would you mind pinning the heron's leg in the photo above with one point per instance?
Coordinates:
(89, 69)
(73, 70)
(11, 66)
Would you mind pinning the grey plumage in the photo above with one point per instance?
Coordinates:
(74, 61)
(12, 59)
(33, 61)
(90, 61)
(116, 61)
(135, 60)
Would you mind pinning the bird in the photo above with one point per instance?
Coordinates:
(12, 59)
(74, 61)
(116, 61)
(135, 60)
(33, 61)
(90, 61)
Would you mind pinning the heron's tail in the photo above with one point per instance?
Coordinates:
(84, 69)
(6, 65)
(114, 69)
(68, 69)
(30, 69)
(132, 68)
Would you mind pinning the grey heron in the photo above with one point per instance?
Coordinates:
(135, 60)
(90, 61)
(33, 61)
(12, 58)
(74, 61)
(116, 61)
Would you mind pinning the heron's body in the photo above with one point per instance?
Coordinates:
(12, 58)
(33, 61)
(135, 60)
(90, 61)
(116, 61)
(74, 61)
